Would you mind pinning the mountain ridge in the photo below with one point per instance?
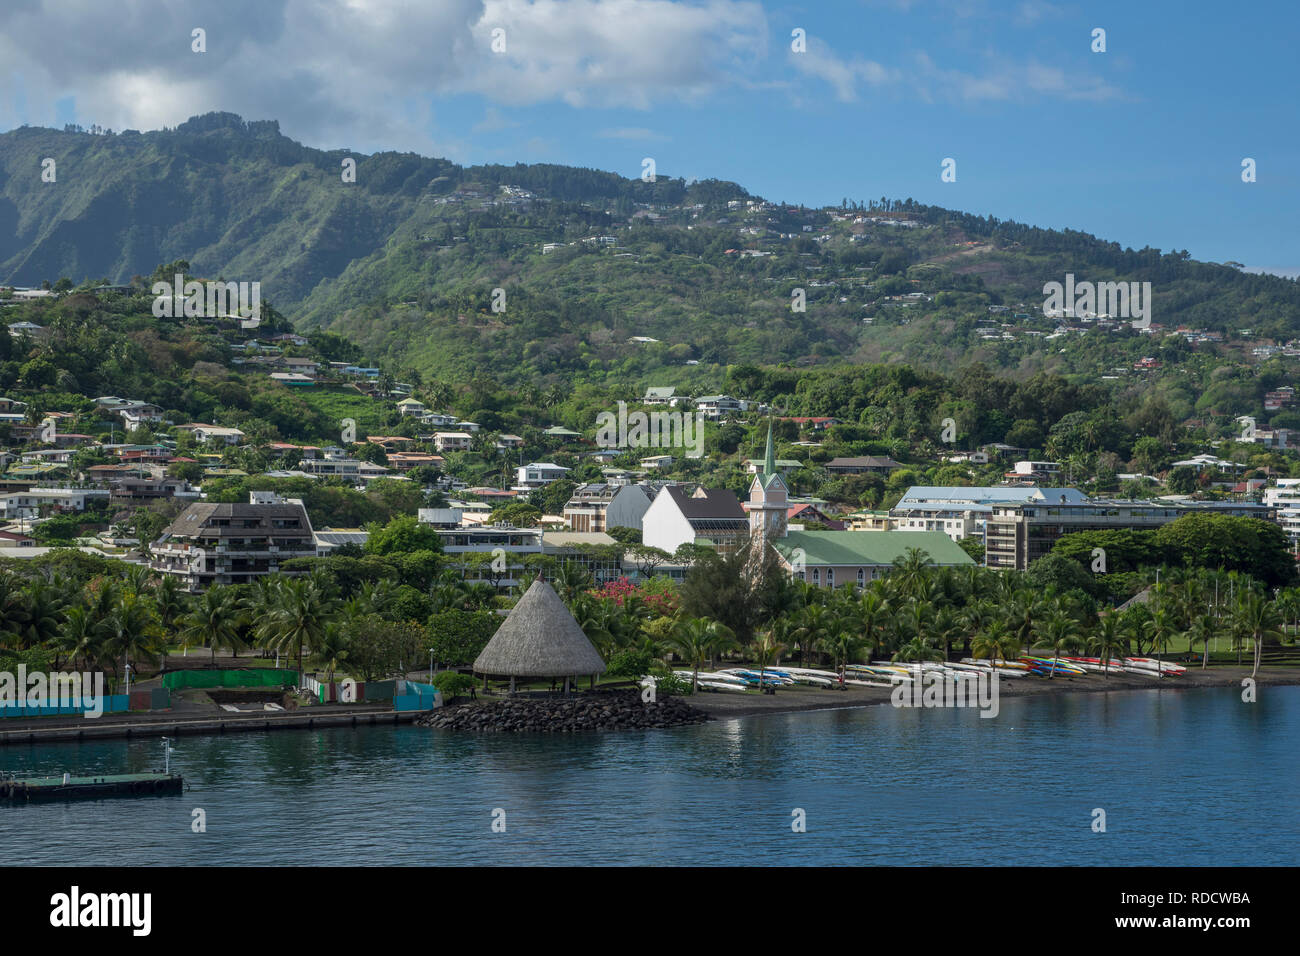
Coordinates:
(407, 259)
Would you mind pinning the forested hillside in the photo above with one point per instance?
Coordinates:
(405, 260)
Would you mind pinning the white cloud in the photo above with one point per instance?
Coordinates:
(364, 72)
(612, 52)
(369, 74)
(843, 75)
(927, 80)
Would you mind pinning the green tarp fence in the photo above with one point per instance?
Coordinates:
(179, 680)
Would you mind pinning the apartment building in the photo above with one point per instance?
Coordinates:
(1284, 498)
(1018, 534)
(961, 512)
(513, 546)
(598, 506)
(233, 543)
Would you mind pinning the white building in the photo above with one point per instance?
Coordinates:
(350, 468)
(538, 473)
(713, 518)
(599, 506)
(215, 433)
(1285, 497)
(715, 407)
(1030, 468)
(961, 512)
(452, 441)
(28, 504)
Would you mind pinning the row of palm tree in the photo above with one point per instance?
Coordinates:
(916, 613)
(921, 613)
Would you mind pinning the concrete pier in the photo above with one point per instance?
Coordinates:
(42, 730)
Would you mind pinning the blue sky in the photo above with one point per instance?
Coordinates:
(1141, 144)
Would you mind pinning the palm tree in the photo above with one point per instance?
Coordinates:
(447, 590)
(947, 623)
(1023, 613)
(766, 650)
(332, 650)
(1288, 605)
(873, 611)
(257, 605)
(376, 596)
(996, 642)
(1161, 627)
(920, 650)
(131, 631)
(1262, 620)
(1061, 633)
(595, 620)
(1108, 640)
(815, 622)
(138, 578)
(80, 635)
(13, 610)
(1203, 630)
(479, 595)
(917, 614)
(697, 640)
(214, 621)
(45, 608)
(571, 580)
(842, 644)
(169, 602)
(298, 619)
(911, 571)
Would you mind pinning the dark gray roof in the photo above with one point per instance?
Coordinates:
(717, 504)
(192, 519)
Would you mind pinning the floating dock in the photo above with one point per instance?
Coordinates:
(67, 787)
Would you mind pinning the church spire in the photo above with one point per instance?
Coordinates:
(769, 458)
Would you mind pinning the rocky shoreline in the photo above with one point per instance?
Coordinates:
(623, 710)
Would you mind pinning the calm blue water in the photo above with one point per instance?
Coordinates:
(1186, 778)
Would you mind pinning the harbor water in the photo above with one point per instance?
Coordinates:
(1184, 778)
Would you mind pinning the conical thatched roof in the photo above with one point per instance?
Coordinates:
(540, 638)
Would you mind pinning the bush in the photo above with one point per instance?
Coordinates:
(670, 685)
(629, 663)
(453, 683)
(458, 637)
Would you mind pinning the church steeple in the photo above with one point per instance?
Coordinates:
(769, 458)
(768, 497)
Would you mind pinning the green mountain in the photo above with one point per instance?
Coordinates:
(405, 261)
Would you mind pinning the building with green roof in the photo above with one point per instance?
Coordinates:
(833, 558)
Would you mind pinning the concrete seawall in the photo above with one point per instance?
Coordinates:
(160, 725)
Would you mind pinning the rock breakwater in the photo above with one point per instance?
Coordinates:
(567, 715)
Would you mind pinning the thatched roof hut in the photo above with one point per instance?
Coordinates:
(540, 638)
